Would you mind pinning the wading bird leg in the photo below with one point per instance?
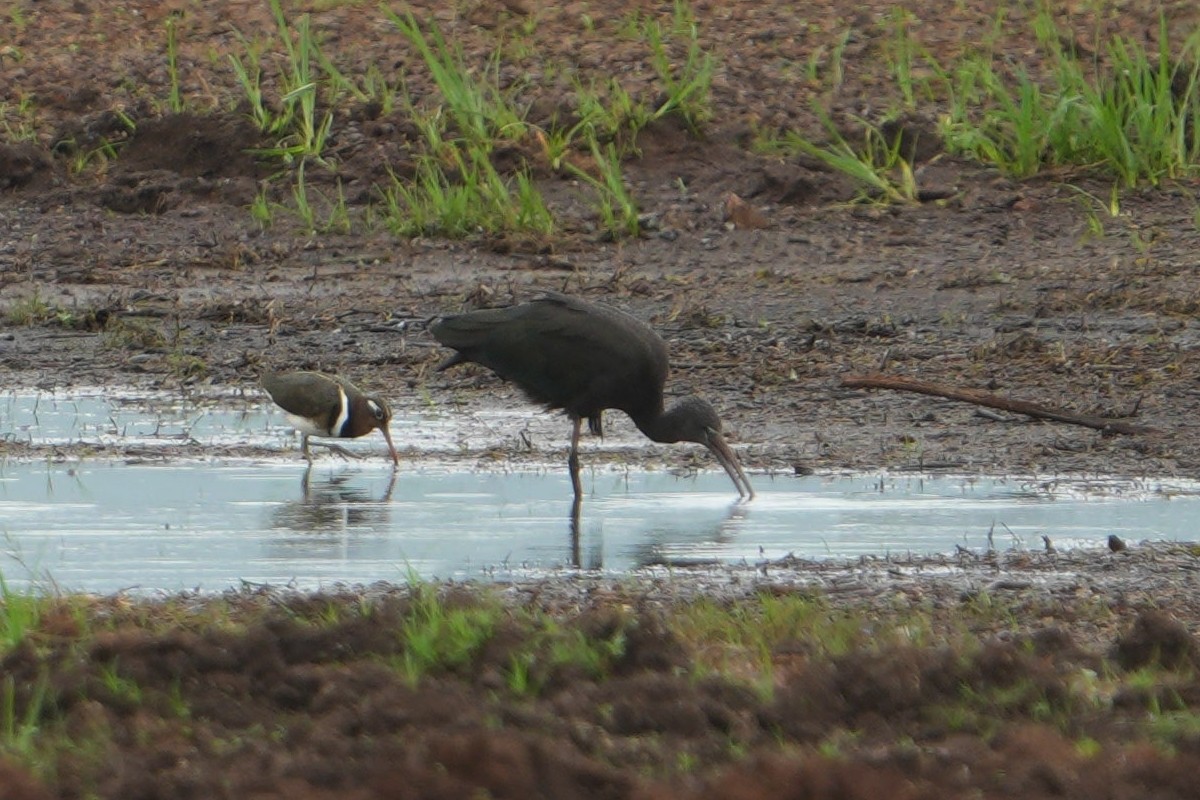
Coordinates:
(573, 458)
(338, 449)
(304, 447)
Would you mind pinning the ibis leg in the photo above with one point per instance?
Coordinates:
(304, 447)
(573, 458)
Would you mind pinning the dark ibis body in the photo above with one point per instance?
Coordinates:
(583, 357)
(327, 405)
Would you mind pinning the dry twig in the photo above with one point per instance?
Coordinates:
(899, 383)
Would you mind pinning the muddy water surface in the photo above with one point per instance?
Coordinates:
(212, 523)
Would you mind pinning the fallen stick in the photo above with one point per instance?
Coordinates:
(876, 381)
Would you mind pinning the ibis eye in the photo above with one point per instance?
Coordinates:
(376, 409)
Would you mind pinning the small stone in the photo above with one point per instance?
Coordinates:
(649, 222)
(743, 215)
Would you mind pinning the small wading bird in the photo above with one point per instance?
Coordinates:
(327, 405)
(584, 357)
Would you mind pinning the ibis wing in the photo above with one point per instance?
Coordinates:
(562, 352)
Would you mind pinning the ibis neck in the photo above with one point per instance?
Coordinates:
(661, 426)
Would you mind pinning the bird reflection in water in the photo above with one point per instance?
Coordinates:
(662, 545)
(669, 547)
(333, 505)
(576, 554)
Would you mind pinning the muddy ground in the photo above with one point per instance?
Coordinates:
(129, 257)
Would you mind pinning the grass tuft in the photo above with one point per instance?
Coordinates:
(299, 127)
(614, 204)
(1132, 115)
(482, 114)
(1134, 120)
(465, 197)
(19, 614)
(175, 96)
(742, 638)
(878, 164)
(688, 83)
(436, 637)
(20, 729)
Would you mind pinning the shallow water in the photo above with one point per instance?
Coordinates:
(149, 420)
(102, 526)
(104, 417)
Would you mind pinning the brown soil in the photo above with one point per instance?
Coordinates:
(1033, 685)
(144, 266)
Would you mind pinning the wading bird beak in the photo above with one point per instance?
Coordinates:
(729, 460)
(391, 447)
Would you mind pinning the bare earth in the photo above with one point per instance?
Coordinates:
(145, 268)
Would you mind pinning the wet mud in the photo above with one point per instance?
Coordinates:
(147, 270)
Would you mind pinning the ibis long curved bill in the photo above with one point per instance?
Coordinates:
(728, 459)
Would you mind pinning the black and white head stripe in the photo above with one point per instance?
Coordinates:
(339, 427)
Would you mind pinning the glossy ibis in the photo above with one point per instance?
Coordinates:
(583, 357)
(327, 405)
